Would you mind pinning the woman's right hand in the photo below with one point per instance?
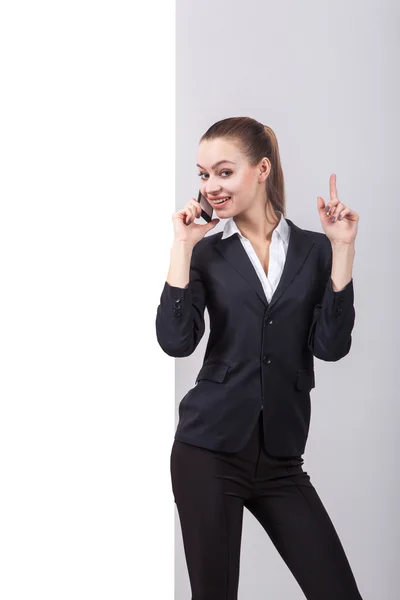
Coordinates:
(185, 229)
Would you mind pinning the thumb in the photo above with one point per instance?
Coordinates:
(320, 204)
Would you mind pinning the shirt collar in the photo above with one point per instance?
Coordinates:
(282, 229)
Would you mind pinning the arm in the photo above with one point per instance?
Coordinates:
(333, 320)
(180, 314)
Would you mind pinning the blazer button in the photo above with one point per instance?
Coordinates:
(266, 360)
(177, 300)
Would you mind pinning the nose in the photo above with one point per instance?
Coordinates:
(212, 189)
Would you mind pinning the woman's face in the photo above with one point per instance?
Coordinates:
(226, 173)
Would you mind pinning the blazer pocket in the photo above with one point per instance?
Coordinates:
(305, 379)
(213, 371)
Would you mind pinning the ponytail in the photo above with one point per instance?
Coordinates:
(275, 183)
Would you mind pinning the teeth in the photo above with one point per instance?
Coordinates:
(221, 201)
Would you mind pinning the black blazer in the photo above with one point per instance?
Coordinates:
(258, 354)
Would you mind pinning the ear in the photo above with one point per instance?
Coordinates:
(264, 169)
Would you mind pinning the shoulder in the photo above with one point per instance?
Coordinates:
(324, 249)
(322, 244)
(205, 247)
(319, 238)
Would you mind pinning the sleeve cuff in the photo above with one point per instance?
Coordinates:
(347, 288)
(340, 301)
(174, 290)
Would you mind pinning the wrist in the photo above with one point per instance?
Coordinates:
(343, 247)
(182, 246)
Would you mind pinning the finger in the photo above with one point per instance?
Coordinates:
(197, 206)
(180, 214)
(193, 204)
(333, 189)
(323, 208)
(343, 213)
(351, 215)
(184, 214)
(335, 209)
(190, 211)
(190, 208)
(327, 209)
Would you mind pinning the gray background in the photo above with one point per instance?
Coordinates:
(322, 75)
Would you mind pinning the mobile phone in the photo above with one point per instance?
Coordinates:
(206, 207)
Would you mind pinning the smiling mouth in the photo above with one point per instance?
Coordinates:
(220, 203)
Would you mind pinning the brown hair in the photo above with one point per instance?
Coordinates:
(256, 140)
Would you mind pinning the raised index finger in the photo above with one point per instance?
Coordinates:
(332, 188)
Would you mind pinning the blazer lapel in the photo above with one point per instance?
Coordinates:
(300, 244)
(231, 248)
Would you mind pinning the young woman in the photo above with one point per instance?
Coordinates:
(277, 295)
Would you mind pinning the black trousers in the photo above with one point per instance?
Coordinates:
(211, 490)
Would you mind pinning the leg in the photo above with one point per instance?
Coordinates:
(211, 522)
(293, 515)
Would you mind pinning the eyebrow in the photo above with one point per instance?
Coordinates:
(218, 163)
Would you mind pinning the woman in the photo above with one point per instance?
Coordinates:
(277, 295)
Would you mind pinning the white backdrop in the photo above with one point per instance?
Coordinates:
(85, 425)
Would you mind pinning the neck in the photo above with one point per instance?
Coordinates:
(258, 223)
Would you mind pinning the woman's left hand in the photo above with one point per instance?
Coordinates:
(344, 227)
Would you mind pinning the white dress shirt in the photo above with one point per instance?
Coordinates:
(277, 253)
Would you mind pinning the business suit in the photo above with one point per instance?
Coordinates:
(243, 427)
(259, 354)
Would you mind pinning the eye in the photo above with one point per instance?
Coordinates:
(224, 171)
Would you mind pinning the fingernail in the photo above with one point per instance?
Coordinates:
(339, 217)
(333, 219)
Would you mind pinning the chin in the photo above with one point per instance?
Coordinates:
(231, 212)
(224, 214)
